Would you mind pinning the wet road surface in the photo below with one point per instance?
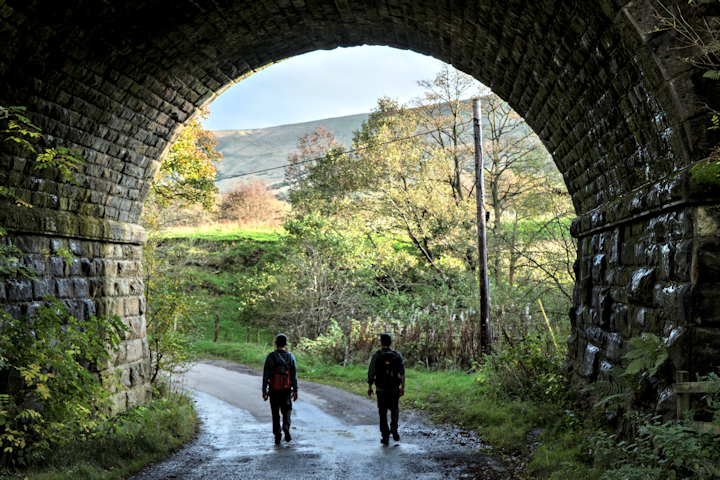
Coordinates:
(335, 436)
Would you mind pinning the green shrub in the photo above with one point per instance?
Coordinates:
(527, 368)
(48, 395)
(629, 381)
(659, 450)
(122, 445)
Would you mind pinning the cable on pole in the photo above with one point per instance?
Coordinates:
(342, 153)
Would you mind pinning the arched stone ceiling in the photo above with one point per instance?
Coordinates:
(623, 115)
(117, 79)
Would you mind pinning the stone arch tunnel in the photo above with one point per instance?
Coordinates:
(624, 118)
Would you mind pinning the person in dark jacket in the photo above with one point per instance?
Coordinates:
(280, 377)
(387, 371)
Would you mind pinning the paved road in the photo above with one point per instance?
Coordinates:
(335, 436)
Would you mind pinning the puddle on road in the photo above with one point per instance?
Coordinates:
(238, 431)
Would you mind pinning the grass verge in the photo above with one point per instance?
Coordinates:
(125, 445)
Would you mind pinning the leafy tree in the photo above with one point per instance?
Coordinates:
(518, 174)
(446, 117)
(410, 177)
(393, 183)
(172, 324)
(403, 187)
(251, 203)
(173, 310)
(322, 277)
(530, 248)
(314, 174)
(187, 173)
(185, 181)
(408, 184)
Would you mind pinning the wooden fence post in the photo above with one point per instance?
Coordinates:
(217, 327)
(683, 399)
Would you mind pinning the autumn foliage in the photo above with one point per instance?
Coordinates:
(187, 174)
(251, 203)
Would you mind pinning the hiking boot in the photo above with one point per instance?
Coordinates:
(385, 440)
(288, 437)
(277, 439)
(395, 434)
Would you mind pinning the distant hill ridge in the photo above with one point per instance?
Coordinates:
(247, 151)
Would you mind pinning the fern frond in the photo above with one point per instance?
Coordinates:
(648, 354)
(603, 387)
(705, 467)
(634, 354)
(617, 398)
(712, 74)
(640, 365)
(623, 383)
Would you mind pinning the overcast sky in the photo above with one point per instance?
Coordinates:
(321, 84)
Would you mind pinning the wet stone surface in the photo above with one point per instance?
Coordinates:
(335, 436)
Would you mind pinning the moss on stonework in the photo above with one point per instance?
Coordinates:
(706, 173)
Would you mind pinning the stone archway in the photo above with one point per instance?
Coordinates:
(622, 116)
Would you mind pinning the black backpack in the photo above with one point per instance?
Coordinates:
(387, 376)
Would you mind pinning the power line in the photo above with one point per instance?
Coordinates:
(342, 153)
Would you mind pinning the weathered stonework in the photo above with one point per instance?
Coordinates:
(622, 115)
(104, 278)
(649, 263)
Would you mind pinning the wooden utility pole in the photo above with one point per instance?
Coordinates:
(485, 327)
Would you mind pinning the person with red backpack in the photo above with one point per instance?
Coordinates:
(280, 375)
(387, 371)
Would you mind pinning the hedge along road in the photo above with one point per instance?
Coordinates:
(335, 435)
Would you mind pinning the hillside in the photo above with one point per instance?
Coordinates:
(247, 151)
(251, 150)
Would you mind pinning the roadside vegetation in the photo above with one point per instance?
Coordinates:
(56, 408)
(122, 445)
(519, 399)
(494, 396)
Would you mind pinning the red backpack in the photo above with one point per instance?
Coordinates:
(280, 377)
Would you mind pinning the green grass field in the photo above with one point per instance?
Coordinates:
(216, 261)
(224, 233)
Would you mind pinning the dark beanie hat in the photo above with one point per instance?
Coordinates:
(281, 340)
(385, 339)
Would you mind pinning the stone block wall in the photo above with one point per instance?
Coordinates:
(650, 264)
(104, 278)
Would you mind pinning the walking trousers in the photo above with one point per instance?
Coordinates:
(280, 402)
(388, 401)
